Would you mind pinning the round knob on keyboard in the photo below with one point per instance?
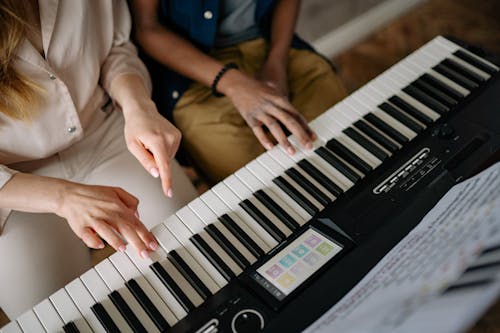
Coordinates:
(247, 321)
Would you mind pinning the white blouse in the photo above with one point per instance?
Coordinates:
(86, 45)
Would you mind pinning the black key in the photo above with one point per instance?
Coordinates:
(308, 186)
(296, 195)
(422, 97)
(276, 209)
(475, 62)
(401, 117)
(214, 259)
(127, 312)
(344, 152)
(435, 92)
(431, 80)
(70, 328)
(464, 71)
(147, 305)
(455, 77)
(412, 111)
(335, 162)
(246, 240)
(376, 136)
(104, 318)
(170, 284)
(467, 285)
(262, 219)
(188, 274)
(365, 143)
(387, 129)
(320, 177)
(230, 249)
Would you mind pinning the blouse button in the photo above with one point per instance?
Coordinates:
(175, 94)
(71, 129)
(208, 15)
(52, 77)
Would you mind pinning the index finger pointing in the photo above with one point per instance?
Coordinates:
(163, 163)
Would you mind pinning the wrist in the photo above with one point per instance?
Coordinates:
(137, 106)
(278, 56)
(231, 82)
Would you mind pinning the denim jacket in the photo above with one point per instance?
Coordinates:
(196, 20)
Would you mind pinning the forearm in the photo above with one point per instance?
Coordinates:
(178, 54)
(282, 29)
(31, 193)
(130, 93)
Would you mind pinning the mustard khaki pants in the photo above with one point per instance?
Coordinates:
(216, 136)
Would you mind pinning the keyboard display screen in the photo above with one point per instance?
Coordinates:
(296, 263)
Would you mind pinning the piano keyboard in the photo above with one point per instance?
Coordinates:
(198, 280)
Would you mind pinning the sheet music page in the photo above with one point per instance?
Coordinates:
(455, 246)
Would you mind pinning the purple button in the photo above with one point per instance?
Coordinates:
(313, 241)
(274, 271)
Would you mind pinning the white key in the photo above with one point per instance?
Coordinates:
(238, 188)
(423, 61)
(128, 271)
(419, 106)
(200, 270)
(325, 168)
(254, 184)
(305, 175)
(275, 192)
(84, 301)
(196, 226)
(29, 322)
(452, 47)
(443, 52)
(208, 217)
(163, 292)
(100, 292)
(188, 251)
(48, 316)
(389, 120)
(115, 282)
(68, 310)
(278, 169)
(185, 286)
(418, 70)
(331, 130)
(11, 327)
(220, 208)
(226, 195)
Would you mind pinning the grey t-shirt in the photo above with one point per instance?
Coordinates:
(236, 22)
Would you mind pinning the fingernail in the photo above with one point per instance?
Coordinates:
(144, 254)
(290, 150)
(101, 246)
(122, 248)
(269, 146)
(170, 193)
(154, 172)
(137, 214)
(153, 246)
(309, 146)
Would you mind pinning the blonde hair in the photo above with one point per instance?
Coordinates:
(18, 94)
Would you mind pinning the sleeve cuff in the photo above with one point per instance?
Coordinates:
(5, 175)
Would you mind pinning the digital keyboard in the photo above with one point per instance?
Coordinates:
(280, 241)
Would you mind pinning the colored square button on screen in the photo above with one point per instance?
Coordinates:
(324, 248)
(300, 251)
(287, 261)
(274, 271)
(312, 258)
(299, 269)
(313, 241)
(286, 280)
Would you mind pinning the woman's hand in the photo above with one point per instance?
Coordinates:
(152, 139)
(264, 105)
(95, 212)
